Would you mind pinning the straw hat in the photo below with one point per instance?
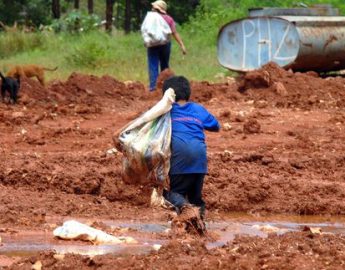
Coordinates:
(160, 5)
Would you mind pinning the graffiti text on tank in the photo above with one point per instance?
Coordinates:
(270, 46)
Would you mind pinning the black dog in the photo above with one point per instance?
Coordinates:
(10, 85)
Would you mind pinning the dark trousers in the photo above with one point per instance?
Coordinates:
(186, 188)
(157, 56)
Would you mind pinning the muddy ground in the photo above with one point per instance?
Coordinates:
(281, 151)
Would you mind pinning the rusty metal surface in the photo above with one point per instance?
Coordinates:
(322, 48)
(322, 43)
(247, 44)
(316, 11)
(311, 43)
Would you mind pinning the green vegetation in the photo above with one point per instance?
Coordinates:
(124, 56)
(119, 55)
(14, 43)
(74, 22)
(212, 14)
(94, 52)
(29, 12)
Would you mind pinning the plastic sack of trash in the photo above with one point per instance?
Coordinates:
(72, 229)
(145, 144)
(155, 30)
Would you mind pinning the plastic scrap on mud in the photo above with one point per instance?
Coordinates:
(75, 230)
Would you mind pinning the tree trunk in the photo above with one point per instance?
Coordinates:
(139, 9)
(118, 16)
(109, 15)
(56, 9)
(90, 6)
(76, 4)
(128, 17)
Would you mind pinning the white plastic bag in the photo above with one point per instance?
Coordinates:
(155, 30)
(157, 199)
(72, 229)
(145, 144)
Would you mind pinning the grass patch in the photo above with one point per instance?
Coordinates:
(17, 42)
(121, 56)
(88, 53)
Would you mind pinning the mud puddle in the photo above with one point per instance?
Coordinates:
(228, 231)
(25, 243)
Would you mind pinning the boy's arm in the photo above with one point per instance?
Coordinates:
(211, 123)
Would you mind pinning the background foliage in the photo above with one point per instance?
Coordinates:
(37, 12)
(62, 43)
(29, 12)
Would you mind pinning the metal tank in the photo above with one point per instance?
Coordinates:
(301, 42)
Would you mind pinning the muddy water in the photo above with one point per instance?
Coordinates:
(25, 243)
(245, 224)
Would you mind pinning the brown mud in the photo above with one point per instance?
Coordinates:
(281, 151)
(289, 251)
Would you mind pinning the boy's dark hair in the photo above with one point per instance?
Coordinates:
(181, 86)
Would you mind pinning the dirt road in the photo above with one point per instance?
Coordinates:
(280, 151)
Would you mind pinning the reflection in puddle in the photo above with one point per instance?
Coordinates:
(25, 244)
(144, 227)
(20, 249)
(29, 243)
(244, 225)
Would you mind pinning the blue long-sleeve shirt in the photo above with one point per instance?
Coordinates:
(188, 139)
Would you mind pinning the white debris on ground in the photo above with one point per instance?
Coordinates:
(78, 231)
(268, 228)
(112, 151)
